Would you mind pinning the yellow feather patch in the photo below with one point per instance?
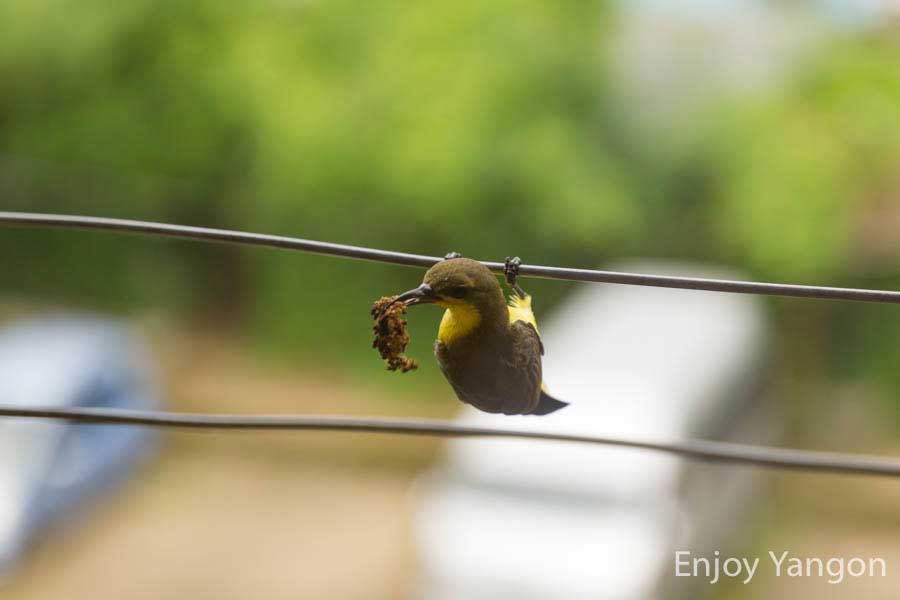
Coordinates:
(520, 310)
(459, 320)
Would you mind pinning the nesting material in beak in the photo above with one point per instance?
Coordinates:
(391, 337)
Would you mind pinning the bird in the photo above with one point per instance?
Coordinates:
(489, 349)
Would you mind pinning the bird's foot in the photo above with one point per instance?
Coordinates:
(452, 255)
(511, 269)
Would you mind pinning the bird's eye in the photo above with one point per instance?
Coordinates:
(457, 292)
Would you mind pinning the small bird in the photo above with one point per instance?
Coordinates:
(488, 350)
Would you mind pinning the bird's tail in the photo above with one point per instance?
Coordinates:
(548, 404)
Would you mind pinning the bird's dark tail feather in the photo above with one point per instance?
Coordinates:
(548, 404)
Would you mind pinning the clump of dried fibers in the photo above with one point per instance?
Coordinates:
(391, 337)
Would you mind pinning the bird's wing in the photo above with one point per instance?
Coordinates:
(526, 358)
(528, 344)
(520, 310)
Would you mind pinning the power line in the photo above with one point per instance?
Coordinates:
(724, 452)
(419, 260)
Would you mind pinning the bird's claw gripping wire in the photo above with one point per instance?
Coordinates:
(452, 255)
(511, 269)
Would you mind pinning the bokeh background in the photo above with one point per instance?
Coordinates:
(762, 136)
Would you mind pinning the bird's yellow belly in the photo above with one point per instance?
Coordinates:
(458, 322)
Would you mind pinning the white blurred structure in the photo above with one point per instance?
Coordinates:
(528, 519)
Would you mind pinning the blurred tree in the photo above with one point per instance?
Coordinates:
(425, 127)
(797, 170)
(797, 177)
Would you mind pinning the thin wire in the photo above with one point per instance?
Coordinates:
(419, 260)
(781, 458)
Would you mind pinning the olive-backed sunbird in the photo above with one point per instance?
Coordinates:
(488, 350)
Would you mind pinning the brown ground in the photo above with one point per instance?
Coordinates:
(207, 525)
(825, 516)
(246, 515)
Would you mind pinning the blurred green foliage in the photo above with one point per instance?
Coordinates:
(802, 183)
(424, 127)
(487, 127)
(797, 168)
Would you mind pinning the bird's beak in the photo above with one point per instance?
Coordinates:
(421, 295)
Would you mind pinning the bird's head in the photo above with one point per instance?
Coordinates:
(458, 283)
